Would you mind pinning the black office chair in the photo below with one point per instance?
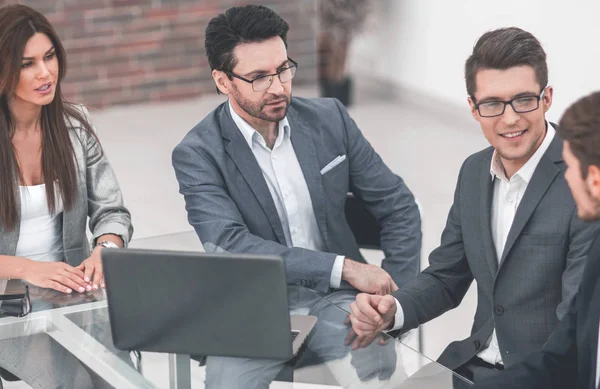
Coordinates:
(7, 376)
(367, 232)
(364, 227)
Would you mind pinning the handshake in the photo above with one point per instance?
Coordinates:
(374, 310)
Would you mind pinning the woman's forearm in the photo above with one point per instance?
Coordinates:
(14, 267)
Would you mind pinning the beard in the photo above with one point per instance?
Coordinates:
(261, 110)
(591, 212)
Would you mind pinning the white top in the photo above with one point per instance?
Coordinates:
(284, 177)
(507, 196)
(40, 232)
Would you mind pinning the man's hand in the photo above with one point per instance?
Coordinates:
(368, 278)
(59, 276)
(370, 314)
(92, 270)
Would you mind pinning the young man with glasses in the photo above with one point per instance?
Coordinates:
(513, 226)
(571, 357)
(268, 173)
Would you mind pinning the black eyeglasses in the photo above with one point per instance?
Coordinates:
(489, 109)
(262, 83)
(16, 304)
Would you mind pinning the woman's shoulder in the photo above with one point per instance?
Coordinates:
(77, 118)
(75, 114)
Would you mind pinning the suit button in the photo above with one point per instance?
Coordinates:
(499, 310)
(477, 344)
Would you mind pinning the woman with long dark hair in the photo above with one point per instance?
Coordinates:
(53, 176)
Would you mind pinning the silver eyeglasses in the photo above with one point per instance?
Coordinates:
(262, 83)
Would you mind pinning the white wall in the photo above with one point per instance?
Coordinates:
(422, 45)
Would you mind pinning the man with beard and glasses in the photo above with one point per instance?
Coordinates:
(268, 173)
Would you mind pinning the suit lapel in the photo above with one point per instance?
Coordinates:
(304, 147)
(485, 209)
(242, 156)
(543, 176)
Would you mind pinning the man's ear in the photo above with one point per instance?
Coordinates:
(593, 181)
(547, 100)
(474, 112)
(222, 81)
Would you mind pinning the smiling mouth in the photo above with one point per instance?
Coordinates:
(44, 87)
(276, 102)
(510, 135)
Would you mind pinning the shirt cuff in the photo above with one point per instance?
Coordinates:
(336, 273)
(398, 318)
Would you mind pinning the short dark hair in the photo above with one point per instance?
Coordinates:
(580, 126)
(506, 48)
(250, 23)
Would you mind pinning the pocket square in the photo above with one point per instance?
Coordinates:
(336, 161)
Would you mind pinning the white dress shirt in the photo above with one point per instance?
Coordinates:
(284, 177)
(506, 198)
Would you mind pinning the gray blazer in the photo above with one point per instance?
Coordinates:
(98, 196)
(525, 295)
(229, 204)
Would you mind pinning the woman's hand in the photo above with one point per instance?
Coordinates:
(59, 276)
(92, 269)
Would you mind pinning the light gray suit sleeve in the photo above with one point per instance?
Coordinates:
(388, 198)
(443, 285)
(581, 236)
(221, 228)
(106, 210)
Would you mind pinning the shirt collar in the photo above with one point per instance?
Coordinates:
(250, 134)
(527, 170)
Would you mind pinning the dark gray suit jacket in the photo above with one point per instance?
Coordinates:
(569, 358)
(524, 297)
(230, 206)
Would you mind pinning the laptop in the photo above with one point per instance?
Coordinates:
(199, 303)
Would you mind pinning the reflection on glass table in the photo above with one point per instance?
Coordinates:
(44, 348)
(79, 325)
(326, 359)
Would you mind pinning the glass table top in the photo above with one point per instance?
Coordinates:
(80, 324)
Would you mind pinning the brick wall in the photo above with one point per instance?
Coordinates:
(136, 51)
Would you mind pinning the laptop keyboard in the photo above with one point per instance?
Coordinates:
(295, 335)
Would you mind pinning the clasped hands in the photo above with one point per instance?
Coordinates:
(374, 310)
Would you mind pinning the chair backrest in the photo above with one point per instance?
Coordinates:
(7, 376)
(362, 223)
